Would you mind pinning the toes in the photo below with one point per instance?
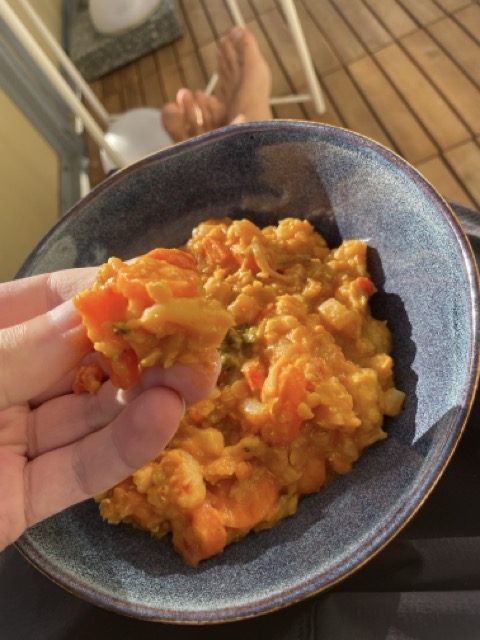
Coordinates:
(192, 112)
(227, 59)
(203, 104)
(173, 120)
(219, 112)
(214, 112)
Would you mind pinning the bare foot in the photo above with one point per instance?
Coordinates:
(245, 80)
(192, 114)
(242, 95)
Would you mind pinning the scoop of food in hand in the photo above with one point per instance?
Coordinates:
(151, 311)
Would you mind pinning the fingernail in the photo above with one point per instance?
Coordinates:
(181, 93)
(237, 33)
(181, 398)
(184, 404)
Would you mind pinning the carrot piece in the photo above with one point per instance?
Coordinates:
(249, 502)
(205, 537)
(285, 423)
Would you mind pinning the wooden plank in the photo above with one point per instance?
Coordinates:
(113, 103)
(424, 12)
(261, 6)
(289, 112)
(461, 47)
(110, 84)
(193, 74)
(280, 84)
(465, 161)
(393, 16)
(452, 5)
(449, 79)
(220, 17)
(246, 10)
(198, 22)
(150, 81)
(171, 83)
(165, 56)
(340, 36)
(399, 122)
(424, 100)
(131, 90)
(353, 109)
(331, 115)
(323, 56)
(95, 170)
(469, 18)
(170, 76)
(112, 93)
(208, 56)
(364, 24)
(97, 87)
(184, 45)
(437, 172)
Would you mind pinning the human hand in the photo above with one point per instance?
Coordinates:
(58, 448)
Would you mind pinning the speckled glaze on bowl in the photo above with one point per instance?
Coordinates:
(349, 187)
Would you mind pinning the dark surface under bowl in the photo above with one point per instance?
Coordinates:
(348, 187)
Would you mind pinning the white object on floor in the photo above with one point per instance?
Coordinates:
(114, 16)
(133, 135)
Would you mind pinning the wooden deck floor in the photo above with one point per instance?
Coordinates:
(403, 72)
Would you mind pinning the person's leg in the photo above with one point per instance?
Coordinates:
(243, 91)
(245, 80)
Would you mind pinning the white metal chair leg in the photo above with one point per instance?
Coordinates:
(212, 83)
(298, 35)
(66, 63)
(236, 13)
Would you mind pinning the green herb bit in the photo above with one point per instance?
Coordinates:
(120, 328)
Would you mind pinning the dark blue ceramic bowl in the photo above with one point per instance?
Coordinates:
(349, 187)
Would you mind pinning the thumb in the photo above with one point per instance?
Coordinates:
(36, 354)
